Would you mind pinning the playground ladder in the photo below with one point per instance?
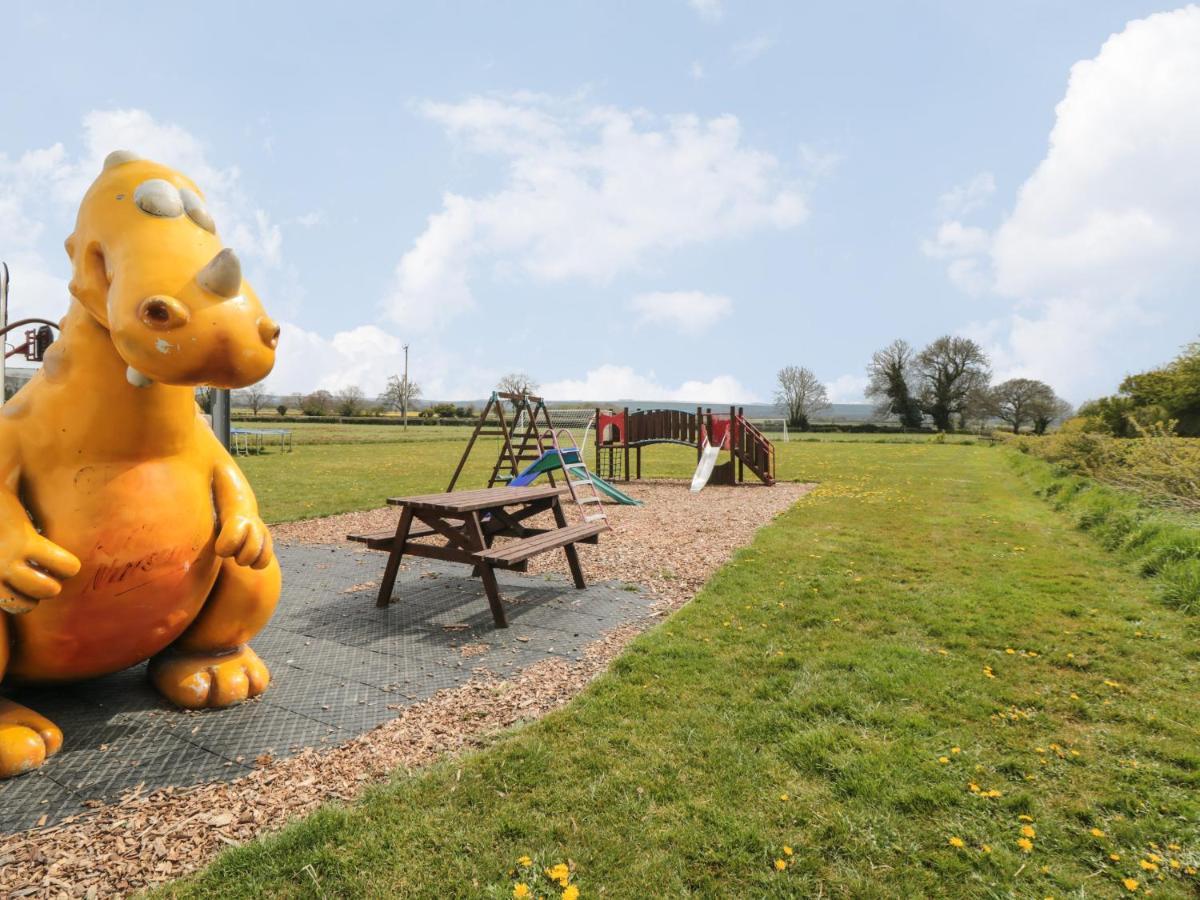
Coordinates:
(577, 476)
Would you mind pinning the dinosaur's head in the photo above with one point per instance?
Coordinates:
(148, 265)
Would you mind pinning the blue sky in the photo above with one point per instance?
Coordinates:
(667, 200)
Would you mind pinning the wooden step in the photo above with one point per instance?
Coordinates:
(384, 540)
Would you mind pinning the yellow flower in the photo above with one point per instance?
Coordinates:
(987, 671)
(1009, 650)
(521, 890)
(943, 759)
(956, 842)
(524, 861)
(1131, 884)
(1025, 844)
(986, 848)
(783, 797)
(956, 749)
(1147, 865)
(780, 865)
(571, 893)
(973, 788)
(787, 851)
(559, 873)
(1115, 857)
(993, 794)
(1025, 818)
(1096, 832)
(1027, 831)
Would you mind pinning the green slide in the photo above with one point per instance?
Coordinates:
(549, 461)
(609, 491)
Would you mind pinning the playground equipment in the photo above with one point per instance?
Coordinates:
(618, 433)
(127, 532)
(540, 450)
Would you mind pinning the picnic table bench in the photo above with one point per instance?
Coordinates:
(470, 521)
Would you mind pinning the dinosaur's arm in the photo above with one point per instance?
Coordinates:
(243, 535)
(32, 568)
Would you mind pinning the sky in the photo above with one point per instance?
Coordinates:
(660, 200)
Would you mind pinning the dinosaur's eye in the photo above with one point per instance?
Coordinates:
(197, 211)
(158, 198)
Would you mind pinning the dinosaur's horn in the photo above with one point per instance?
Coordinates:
(119, 158)
(222, 275)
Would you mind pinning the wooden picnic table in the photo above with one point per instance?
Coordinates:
(469, 521)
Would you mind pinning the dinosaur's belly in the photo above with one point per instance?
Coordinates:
(144, 535)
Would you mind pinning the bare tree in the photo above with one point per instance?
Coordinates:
(949, 370)
(516, 383)
(318, 403)
(349, 401)
(1047, 411)
(889, 375)
(1015, 401)
(800, 395)
(399, 395)
(255, 397)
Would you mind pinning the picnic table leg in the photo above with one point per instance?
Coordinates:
(490, 587)
(393, 563)
(569, 549)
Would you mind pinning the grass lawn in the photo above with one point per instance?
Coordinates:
(339, 468)
(914, 664)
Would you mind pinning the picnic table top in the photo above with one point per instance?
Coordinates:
(472, 501)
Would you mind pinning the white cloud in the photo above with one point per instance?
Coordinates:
(591, 193)
(708, 10)
(688, 312)
(611, 383)
(847, 389)
(966, 198)
(311, 218)
(747, 51)
(1105, 234)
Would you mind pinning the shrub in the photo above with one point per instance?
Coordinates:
(281, 409)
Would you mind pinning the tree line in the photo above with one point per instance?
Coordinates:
(947, 383)
(1169, 394)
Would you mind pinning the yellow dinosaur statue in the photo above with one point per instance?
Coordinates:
(127, 532)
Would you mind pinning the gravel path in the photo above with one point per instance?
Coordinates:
(671, 545)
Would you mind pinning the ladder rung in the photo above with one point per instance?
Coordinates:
(588, 500)
(595, 518)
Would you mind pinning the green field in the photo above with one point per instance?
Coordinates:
(338, 468)
(914, 664)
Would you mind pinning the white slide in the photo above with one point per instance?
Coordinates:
(708, 459)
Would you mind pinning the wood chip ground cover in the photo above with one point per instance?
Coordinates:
(670, 545)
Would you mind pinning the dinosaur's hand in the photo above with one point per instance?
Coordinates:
(32, 569)
(246, 540)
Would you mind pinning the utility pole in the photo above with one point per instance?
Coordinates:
(3, 324)
(404, 395)
(220, 415)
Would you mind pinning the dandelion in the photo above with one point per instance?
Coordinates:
(986, 848)
(957, 843)
(973, 788)
(988, 673)
(783, 797)
(787, 851)
(1131, 884)
(1174, 847)
(992, 794)
(559, 873)
(956, 749)
(524, 861)
(571, 893)
(1028, 831)
(1096, 832)
(1074, 696)
(521, 890)
(1009, 650)
(780, 865)
(943, 759)
(1025, 818)
(1147, 865)
(1025, 844)
(1115, 857)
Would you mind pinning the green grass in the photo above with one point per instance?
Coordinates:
(833, 661)
(339, 468)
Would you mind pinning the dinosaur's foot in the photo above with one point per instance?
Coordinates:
(26, 739)
(201, 681)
